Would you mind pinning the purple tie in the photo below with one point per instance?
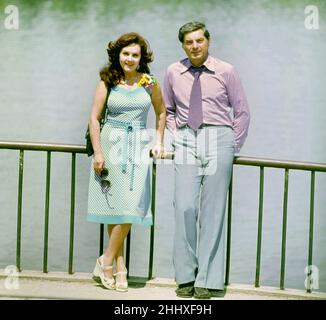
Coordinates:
(195, 114)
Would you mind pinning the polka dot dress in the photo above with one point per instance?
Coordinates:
(124, 195)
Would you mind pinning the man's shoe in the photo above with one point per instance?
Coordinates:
(185, 291)
(217, 293)
(202, 293)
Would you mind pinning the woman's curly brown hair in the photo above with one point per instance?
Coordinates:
(112, 73)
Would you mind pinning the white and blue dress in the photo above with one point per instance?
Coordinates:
(125, 144)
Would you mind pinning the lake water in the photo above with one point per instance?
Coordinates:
(48, 73)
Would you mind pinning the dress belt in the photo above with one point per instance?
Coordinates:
(128, 128)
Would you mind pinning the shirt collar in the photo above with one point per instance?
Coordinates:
(186, 64)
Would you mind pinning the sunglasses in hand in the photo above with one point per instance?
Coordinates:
(105, 184)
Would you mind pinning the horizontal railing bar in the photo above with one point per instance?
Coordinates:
(284, 164)
(18, 145)
(247, 161)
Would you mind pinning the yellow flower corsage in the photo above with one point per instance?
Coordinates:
(147, 81)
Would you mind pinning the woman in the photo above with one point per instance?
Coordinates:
(119, 187)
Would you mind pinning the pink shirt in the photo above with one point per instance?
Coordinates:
(223, 98)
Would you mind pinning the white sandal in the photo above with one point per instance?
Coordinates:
(121, 286)
(98, 272)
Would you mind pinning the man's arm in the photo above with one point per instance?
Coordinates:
(169, 102)
(238, 101)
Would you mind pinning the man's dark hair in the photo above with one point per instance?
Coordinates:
(190, 27)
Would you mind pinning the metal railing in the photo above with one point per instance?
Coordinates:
(49, 148)
(246, 161)
(286, 165)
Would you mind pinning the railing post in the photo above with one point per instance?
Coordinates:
(311, 226)
(101, 248)
(260, 223)
(47, 204)
(151, 248)
(229, 225)
(72, 211)
(19, 209)
(285, 204)
(128, 251)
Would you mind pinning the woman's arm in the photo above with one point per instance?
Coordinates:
(159, 107)
(94, 125)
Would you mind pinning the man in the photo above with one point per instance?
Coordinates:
(208, 116)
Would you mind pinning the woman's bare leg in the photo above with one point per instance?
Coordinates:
(114, 250)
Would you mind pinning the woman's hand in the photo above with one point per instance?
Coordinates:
(99, 163)
(158, 151)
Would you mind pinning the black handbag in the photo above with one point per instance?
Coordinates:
(89, 147)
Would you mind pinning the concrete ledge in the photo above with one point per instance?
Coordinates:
(86, 278)
(275, 292)
(61, 285)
